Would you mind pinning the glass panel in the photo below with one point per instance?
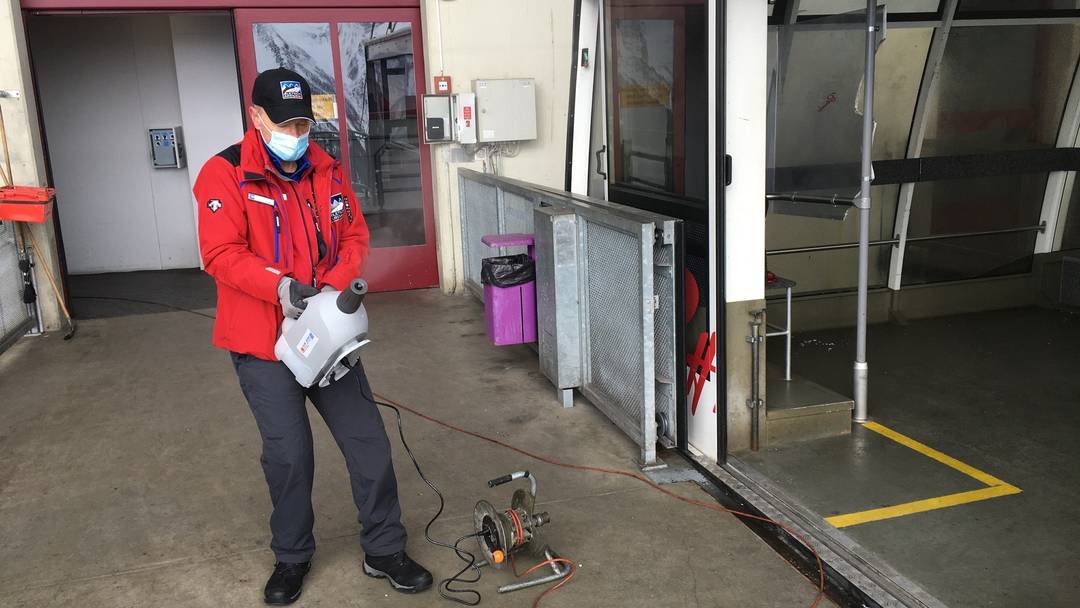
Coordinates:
(645, 98)
(383, 138)
(972, 205)
(1001, 88)
(1017, 5)
(836, 7)
(1070, 239)
(659, 100)
(305, 49)
(817, 131)
(900, 63)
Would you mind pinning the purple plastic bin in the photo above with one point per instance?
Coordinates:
(510, 312)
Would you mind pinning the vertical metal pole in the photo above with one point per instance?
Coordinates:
(754, 403)
(863, 203)
(787, 338)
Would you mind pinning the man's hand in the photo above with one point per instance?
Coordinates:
(293, 296)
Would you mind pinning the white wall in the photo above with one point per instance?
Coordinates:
(206, 76)
(477, 39)
(103, 82)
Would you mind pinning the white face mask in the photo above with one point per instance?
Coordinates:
(287, 147)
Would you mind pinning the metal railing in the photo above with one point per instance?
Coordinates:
(911, 239)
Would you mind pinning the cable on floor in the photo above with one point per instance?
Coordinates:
(641, 478)
(446, 590)
(468, 557)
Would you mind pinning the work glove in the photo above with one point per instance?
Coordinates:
(293, 296)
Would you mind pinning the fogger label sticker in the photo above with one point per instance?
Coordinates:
(307, 343)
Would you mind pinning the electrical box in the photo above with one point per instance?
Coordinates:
(167, 148)
(465, 118)
(438, 119)
(506, 109)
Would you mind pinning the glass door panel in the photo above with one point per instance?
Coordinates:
(365, 68)
(305, 49)
(383, 138)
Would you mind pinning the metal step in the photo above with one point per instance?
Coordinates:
(800, 409)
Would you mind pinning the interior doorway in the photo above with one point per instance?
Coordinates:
(104, 82)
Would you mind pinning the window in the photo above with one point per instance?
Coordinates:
(1006, 6)
(836, 7)
(657, 79)
(1001, 88)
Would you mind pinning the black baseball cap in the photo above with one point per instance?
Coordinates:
(284, 95)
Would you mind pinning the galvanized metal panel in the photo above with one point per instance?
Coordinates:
(619, 277)
(479, 216)
(558, 315)
(666, 322)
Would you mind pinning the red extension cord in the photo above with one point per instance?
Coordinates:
(645, 480)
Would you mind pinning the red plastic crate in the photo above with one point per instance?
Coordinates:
(26, 203)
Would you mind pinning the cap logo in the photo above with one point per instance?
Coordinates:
(290, 89)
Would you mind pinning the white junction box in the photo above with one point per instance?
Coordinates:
(465, 118)
(506, 109)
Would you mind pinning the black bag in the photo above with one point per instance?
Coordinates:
(507, 270)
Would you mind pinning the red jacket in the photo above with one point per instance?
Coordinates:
(255, 226)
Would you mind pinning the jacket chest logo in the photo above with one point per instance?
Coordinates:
(337, 207)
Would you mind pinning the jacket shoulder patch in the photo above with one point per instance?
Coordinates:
(231, 154)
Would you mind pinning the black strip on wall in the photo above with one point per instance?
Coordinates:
(933, 168)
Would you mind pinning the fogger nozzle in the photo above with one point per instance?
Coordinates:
(350, 300)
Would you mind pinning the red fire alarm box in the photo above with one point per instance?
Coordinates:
(443, 85)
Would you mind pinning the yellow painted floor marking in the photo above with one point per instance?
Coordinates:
(995, 487)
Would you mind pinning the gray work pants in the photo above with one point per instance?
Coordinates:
(288, 460)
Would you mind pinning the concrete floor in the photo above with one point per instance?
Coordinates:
(129, 474)
(998, 391)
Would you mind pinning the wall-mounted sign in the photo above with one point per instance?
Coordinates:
(324, 107)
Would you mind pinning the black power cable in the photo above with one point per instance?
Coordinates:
(445, 589)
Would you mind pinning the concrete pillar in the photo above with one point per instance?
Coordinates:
(744, 267)
(25, 145)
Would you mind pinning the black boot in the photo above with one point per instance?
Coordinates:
(404, 574)
(286, 583)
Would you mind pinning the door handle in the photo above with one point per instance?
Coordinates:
(599, 163)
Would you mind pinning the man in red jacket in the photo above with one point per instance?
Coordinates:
(278, 222)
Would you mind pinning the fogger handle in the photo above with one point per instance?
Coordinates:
(498, 481)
